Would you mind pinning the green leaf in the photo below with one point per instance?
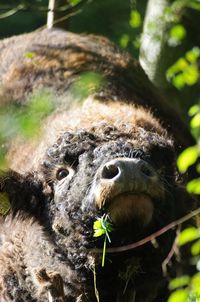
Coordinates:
(171, 71)
(178, 32)
(195, 121)
(29, 55)
(195, 249)
(74, 2)
(97, 224)
(99, 232)
(187, 158)
(194, 4)
(108, 226)
(86, 84)
(137, 42)
(193, 54)
(180, 295)
(179, 81)
(135, 19)
(181, 64)
(195, 282)
(188, 235)
(185, 71)
(179, 282)
(193, 297)
(124, 40)
(194, 186)
(194, 110)
(102, 227)
(191, 75)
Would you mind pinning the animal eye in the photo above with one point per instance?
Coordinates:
(62, 173)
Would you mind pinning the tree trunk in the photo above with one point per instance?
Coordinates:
(156, 55)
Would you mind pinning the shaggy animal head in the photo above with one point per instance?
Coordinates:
(120, 162)
(107, 158)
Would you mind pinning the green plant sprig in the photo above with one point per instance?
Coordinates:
(102, 227)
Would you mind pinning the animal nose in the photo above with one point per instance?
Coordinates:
(110, 171)
(124, 176)
(126, 170)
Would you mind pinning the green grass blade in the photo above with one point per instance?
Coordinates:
(104, 252)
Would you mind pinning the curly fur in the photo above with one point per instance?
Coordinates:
(47, 250)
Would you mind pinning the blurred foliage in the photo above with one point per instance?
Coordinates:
(187, 288)
(23, 121)
(176, 34)
(186, 70)
(190, 155)
(187, 158)
(135, 19)
(22, 16)
(86, 84)
(19, 16)
(121, 21)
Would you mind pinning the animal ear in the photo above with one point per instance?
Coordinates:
(22, 193)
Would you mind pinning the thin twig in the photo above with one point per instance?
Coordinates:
(95, 283)
(67, 16)
(170, 254)
(30, 8)
(151, 237)
(11, 12)
(59, 20)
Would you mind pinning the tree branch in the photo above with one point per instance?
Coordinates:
(151, 237)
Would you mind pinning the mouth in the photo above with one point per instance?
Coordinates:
(129, 207)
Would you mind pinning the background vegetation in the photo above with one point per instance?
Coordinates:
(164, 36)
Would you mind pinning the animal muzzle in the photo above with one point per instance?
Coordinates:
(125, 188)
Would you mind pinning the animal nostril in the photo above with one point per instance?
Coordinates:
(146, 170)
(110, 171)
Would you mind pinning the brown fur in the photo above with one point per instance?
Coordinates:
(25, 157)
(58, 60)
(47, 244)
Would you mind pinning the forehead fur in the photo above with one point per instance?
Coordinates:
(92, 116)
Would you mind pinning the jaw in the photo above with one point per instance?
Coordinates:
(128, 207)
(131, 216)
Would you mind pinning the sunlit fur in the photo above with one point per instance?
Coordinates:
(48, 251)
